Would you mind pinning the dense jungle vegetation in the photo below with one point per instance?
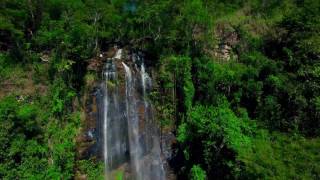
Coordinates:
(240, 81)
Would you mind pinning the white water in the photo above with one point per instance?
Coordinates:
(143, 78)
(118, 54)
(114, 124)
(109, 75)
(133, 122)
(130, 137)
(105, 124)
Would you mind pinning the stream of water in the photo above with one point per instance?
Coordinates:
(130, 136)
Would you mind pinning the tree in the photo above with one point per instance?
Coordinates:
(213, 136)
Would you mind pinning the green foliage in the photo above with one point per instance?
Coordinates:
(213, 131)
(119, 175)
(277, 156)
(22, 152)
(30, 139)
(266, 87)
(61, 96)
(175, 78)
(196, 25)
(275, 82)
(26, 112)
(197, 173)
(178, 69)
(62, 146)
(215, 80)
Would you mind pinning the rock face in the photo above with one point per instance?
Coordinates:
(129, 138)
(88, 141)
(119, 127)
(227, 40)
(225, 51)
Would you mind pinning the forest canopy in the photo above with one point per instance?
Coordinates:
(239, 80)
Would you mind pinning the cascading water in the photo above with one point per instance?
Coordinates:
(130, 136)
(114, 123)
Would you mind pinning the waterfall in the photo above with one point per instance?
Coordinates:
(105, 123)
(130, 136)
(118, 54)
(133, 124)
(143, 78)
(114, 131)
